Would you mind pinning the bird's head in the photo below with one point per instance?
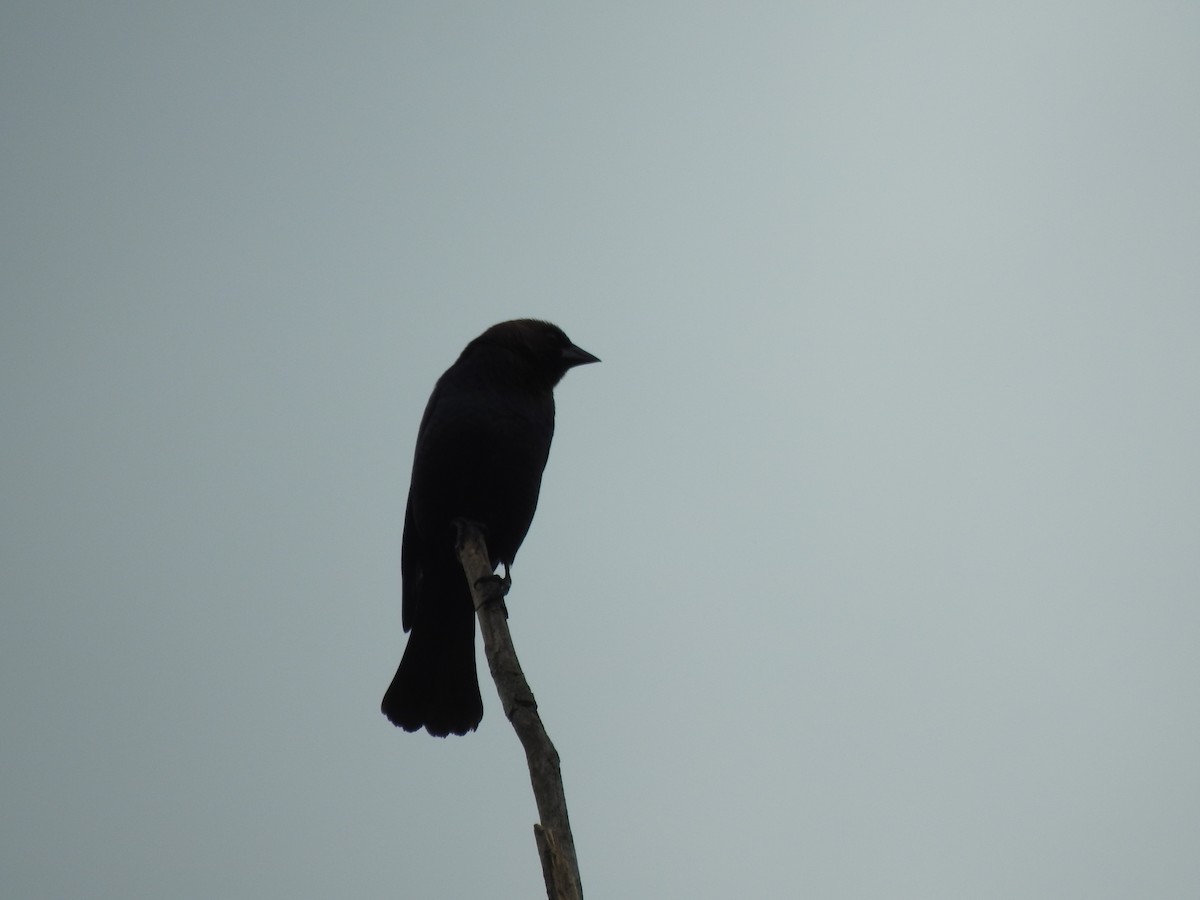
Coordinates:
(539, 350)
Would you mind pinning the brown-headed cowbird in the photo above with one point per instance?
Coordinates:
(481, 448)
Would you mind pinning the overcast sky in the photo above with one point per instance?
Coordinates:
(867, 564)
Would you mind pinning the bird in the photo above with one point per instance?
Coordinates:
(481, 448)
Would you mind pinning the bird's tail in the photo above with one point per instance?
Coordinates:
(436, 687)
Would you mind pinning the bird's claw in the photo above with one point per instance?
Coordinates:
(500, 583)
(495, 588)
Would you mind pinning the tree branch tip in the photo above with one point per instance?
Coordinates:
(466, 531)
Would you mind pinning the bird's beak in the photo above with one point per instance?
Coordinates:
(577, 356)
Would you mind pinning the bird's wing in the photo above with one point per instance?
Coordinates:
(410, 551)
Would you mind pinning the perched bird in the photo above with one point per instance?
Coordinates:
(481, 448)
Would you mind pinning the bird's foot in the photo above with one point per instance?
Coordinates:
(494, 588)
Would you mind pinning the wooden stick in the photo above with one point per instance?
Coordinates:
(556, 846)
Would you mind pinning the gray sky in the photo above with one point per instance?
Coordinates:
(866, 565)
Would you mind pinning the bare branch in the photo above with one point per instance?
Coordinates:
(556, 846)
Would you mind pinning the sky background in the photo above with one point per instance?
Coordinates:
(867, 564)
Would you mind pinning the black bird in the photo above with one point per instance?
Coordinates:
(481, 448)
